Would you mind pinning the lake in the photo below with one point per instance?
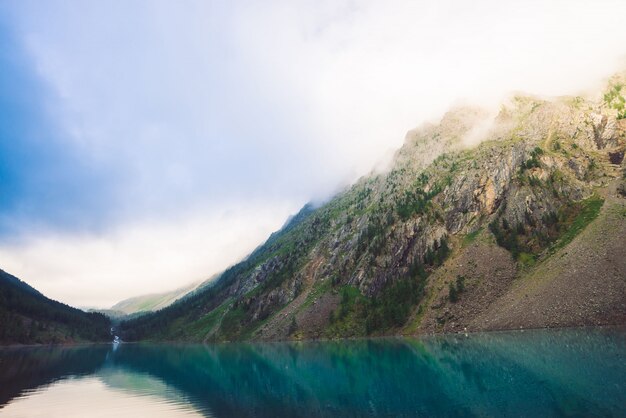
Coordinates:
(572, 372)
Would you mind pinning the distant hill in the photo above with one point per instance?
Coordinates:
(153, 302)
(115, 316)
(28, 317)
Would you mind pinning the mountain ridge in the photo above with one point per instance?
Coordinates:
(372, 260)
(153, 301)
(29, 317)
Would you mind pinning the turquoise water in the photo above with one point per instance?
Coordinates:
(530, 373)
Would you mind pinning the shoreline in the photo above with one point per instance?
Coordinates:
(314, 340)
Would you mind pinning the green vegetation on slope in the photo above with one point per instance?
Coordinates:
(455, 288)
(614, 98)
(152, 302)
(28, 317)
(391, 307)
(416, 202)
(578, 219)
(527, 241)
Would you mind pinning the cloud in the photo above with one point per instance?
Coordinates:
(125, 111)
(370, 71)
(209, 101)
(149, 256)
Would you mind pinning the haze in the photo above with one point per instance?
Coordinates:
(145, 145)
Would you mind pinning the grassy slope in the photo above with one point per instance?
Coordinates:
(152, 302)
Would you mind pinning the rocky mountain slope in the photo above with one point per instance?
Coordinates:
(28, 317)
(525, 229)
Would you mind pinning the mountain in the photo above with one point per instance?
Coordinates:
(140, 305)
(28, 317)
(152, 302)
(480, 223)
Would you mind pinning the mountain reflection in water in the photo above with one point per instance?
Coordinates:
(576, 372)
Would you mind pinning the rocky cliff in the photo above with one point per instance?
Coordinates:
(481, 222)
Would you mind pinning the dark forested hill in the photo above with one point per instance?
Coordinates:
(28, 317)
(480, 223)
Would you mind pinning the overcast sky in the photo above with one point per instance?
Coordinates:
(148, 144)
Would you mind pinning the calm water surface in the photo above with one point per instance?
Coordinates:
(531, 373)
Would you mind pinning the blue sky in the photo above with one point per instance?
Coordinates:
(100, 111)
(39, 174)
(148, 144)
